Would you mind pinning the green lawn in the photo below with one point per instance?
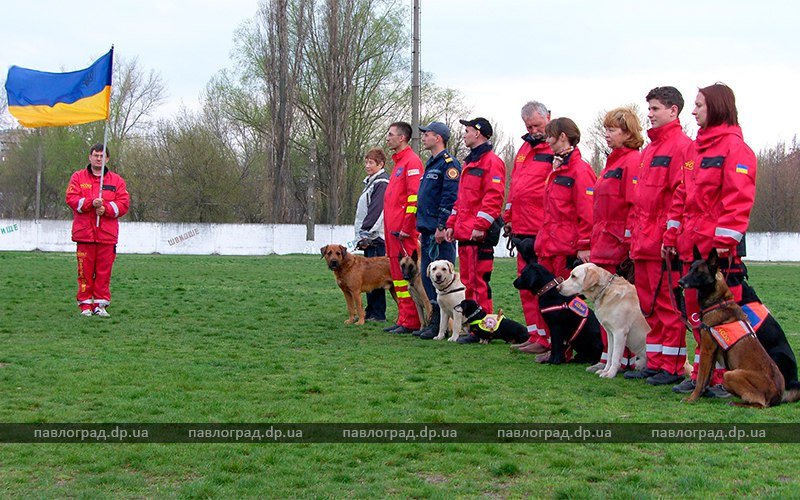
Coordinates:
(262, 339)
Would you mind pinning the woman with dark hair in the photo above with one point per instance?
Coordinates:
(717, 196)
(567, 222)
(613, 199)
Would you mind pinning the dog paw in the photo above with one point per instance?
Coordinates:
(360, 322)
(348, 321)
(438, 337)
(452, 339)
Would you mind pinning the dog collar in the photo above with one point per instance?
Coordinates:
(718, 305)
(549, 286)
(460, 289)
(600, 293)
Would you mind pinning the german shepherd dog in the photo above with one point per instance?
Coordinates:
(356, 274)
(497, 326)
(562, 320)
(409, 265)
(753, 375)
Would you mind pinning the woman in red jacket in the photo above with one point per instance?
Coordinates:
(718, 192)
(613, 199)
(567, 217)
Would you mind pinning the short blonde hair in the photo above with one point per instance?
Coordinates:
(627, 121)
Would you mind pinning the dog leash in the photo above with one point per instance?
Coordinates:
(396, 234)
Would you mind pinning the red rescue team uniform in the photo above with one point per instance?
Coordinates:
(96, 245)
(400, 214)
(478, 204)
(568, 214)
(611, 232)
(659, 177)
(524, 210)
(717, 196)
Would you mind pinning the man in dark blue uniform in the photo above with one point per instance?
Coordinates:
(437, 193)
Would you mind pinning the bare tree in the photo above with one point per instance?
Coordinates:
(777, 205)
(135, 95)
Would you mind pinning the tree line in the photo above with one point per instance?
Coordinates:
(280, 136)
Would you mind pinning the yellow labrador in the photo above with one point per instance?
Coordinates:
(616, 306)
(449, 293)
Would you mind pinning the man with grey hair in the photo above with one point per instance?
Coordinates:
(524, 208)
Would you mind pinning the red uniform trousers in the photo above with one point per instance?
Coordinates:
(556, 264)
(95, 261)
(628, 361)
(534, 321)
(406, 310)
(693, 314)
(666, 342)
(475, 264)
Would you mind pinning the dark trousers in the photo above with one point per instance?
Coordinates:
(376, 299)
(432, 251)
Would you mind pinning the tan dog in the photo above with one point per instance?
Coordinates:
(356, 274)
(449, 293)
(616, 306)
(409, 265)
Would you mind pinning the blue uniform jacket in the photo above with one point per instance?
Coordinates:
(437, 191)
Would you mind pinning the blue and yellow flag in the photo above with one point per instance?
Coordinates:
(42, 99)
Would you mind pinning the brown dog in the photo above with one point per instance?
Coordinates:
(753, 376)
(409, 265)
(356, 274)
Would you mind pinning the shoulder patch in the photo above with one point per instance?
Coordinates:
(452, 173)
(413, 171)
(448, 158)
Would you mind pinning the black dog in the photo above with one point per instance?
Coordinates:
(771, 336)
(496, 326)
(563, 321)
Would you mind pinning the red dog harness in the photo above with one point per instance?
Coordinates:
(577, 306)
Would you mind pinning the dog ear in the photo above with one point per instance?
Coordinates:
(450, 267)
(415, 255)
(428, 270)
(343, 249)
(696, 253)
(322, 251)
(591, 277)
(712, 261)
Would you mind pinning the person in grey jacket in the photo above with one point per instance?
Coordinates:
(369, 225)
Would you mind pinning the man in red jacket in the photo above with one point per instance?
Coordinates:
(478, 205)
(400, 220)
(659, 176)
(95, 228)
(525, 206)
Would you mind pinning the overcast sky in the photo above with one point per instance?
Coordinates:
(578, 57)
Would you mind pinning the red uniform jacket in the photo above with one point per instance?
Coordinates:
(718, 192)
(613, 199)
(83, 188)
(659, 178)
(480, 193)
(525, 204)
(568, 208)
(400, 199)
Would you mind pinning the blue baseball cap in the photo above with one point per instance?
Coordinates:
(438, 128)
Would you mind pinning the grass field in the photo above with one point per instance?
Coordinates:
(239, 339)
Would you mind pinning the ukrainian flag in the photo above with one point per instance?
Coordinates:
(42, 99)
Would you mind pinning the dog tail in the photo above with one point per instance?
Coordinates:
(791, 396)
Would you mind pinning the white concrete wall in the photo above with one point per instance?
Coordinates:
(263, 239)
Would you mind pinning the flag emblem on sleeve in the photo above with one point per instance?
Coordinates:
(742, 169)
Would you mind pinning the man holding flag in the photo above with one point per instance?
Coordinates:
(97, 242)
(43, 99)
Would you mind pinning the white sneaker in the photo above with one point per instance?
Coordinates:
(101, 311)
(86, 312)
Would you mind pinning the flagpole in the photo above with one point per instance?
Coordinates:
(103, 165)
(105, 142)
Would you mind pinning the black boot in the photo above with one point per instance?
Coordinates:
(434, 319)
(432, 329)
